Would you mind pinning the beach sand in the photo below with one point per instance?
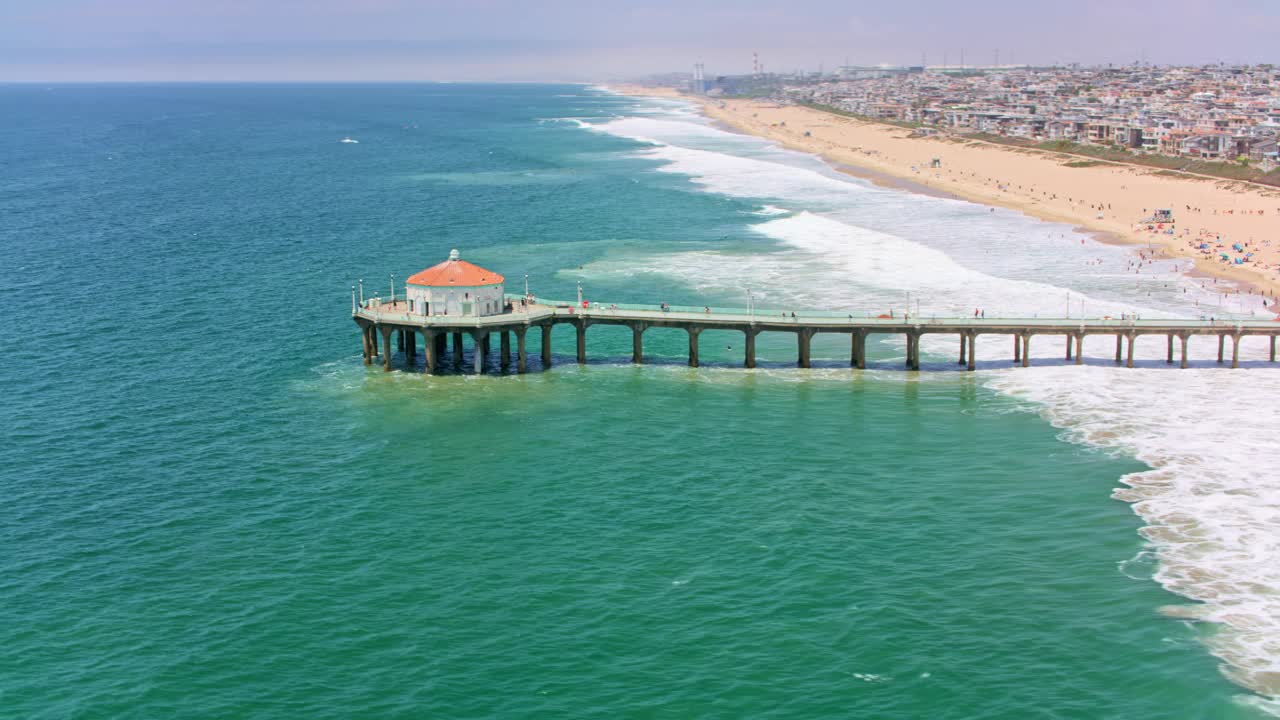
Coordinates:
(1110, 199)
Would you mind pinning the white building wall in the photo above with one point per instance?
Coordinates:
(475, 300)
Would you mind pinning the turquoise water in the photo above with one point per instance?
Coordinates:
(213, 508)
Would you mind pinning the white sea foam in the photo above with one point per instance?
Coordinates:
(1210, 500)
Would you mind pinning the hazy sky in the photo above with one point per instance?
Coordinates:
(599, 40)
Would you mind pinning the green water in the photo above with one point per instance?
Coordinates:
(212, 508)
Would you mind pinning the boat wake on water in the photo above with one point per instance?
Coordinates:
(1209, 501)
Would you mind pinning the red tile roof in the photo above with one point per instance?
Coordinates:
(455, 273)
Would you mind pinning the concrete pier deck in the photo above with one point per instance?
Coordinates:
(379, 321)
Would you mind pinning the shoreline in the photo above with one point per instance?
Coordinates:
(1041, 184)
(1157, 429)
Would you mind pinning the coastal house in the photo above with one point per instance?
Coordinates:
(1261, 149)
(455, 287)
(1208, 145)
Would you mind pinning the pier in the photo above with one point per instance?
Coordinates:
(387, 324)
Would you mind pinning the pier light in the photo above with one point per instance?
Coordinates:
(353, 299)
(362, 291)
(393, 288)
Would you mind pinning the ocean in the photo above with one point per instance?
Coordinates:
(211, 507)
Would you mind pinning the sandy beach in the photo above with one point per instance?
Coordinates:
(1211, 217)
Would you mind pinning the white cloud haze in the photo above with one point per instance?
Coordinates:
(341, 40)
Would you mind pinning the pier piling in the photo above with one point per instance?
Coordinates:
(1026, 350)
(750, 344)
(1235, 351)
(504, 347)
(1183, 337)
(1169, 356)
(637, 343)
(581, 328)
(963, 347)
(1129, 360)
(522, 361)
(1119, 347)
(1222, 340)
(973, 350)
(802, 340)
(386, 349)
(693, 345)
(546, 346)
(457, 350)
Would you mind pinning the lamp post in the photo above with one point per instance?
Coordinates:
(353, 299)
(526, 284)
(362, 292)
(579, 293)
(393, 288)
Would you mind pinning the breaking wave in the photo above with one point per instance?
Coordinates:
(1209, 500)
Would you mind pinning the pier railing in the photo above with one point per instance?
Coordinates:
(846, 317)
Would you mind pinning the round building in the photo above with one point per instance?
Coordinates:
(455, 287)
